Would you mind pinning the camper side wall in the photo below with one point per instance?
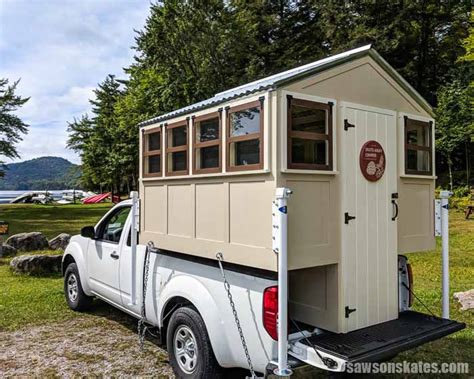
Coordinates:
(199, 210)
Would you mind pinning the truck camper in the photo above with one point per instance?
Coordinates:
(271, 222)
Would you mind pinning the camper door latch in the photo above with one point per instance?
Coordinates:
(348, 125)
(348, 311)
(348, 217)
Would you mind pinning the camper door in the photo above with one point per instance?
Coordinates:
(369, 215)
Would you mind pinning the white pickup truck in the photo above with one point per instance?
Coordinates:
(208, 325)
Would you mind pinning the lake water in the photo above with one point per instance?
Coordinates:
(6, 196)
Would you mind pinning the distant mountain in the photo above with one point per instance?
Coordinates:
(45, 173)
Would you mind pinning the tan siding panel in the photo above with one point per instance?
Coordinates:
(180, 210)
(318, 306)
(210, 211)
(309, 223)
(416, 215)
(155, 211)
(251, 213)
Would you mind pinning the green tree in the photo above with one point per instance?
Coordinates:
(141, 101)
(106, 137)
(421, 39)
(11, 126)
(455, 122)
(81, 139)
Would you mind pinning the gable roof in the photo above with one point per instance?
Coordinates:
(289, 76)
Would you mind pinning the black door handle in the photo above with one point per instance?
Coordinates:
(114, 255)
(395, 204)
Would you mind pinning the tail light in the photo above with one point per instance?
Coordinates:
(410, 284)
(270, 311)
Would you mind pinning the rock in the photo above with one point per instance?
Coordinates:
(466, 299)
(36, 264)
(7, 251)
(28, 241)
(60, 242)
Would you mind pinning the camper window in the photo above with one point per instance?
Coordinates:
(152, 153)
(177, 149)
(245, 137)
(309, 135)
(418, 147)
(207, 143)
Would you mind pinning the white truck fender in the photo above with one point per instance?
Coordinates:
(75, 250)
(201, 298)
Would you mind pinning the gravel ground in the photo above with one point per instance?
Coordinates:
(87, 345)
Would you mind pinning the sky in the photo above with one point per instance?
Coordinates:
(61, 49)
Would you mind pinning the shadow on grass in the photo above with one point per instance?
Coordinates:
(107, 311)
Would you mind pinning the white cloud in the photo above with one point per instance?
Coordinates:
(61, 50)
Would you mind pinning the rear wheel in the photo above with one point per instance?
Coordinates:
(189, 348)
(76, 299)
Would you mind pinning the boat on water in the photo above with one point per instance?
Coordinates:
(70, 196)
(33, 197)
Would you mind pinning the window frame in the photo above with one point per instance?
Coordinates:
(176, 149)
(249, 137)
(428, 124)
(100, 228)
(149, 153)
(199, 145)
(329, 136)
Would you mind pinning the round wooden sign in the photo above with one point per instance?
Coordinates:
(372, 161)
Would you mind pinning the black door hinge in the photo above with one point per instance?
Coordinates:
(348, 125)
(348, 311)
(348, 217)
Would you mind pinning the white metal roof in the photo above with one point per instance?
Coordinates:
(274, 81)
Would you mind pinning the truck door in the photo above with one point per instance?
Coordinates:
(104, 255)
(368, 215)
(131, 271)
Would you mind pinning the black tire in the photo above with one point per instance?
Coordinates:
(76, 299)
(187, 320)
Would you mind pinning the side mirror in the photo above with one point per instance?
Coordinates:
(88, 232)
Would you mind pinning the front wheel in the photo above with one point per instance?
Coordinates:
(189, 348)
(76, 299)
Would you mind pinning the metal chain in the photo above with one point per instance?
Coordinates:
(220, 259)
(142, 329)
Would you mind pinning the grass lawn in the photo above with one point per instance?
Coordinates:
(34, 300)
(51, 219)
(426, 266)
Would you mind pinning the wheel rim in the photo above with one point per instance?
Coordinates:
(72, 287)
(185, 349)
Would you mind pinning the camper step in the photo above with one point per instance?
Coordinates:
(384, 340)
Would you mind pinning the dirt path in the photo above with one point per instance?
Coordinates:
(88, 345)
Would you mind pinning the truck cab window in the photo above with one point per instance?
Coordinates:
(245, 137)
(418, 147)
(111, 230)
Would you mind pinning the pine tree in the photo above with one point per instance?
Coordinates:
(11, 126)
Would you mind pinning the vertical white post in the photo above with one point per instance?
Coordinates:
(133, 242)
(280, 235)
(445, 195)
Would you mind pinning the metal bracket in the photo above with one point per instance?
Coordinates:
(348, 217)
(348, 125)
(348, 311)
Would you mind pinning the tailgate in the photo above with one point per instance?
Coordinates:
(376, 342)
